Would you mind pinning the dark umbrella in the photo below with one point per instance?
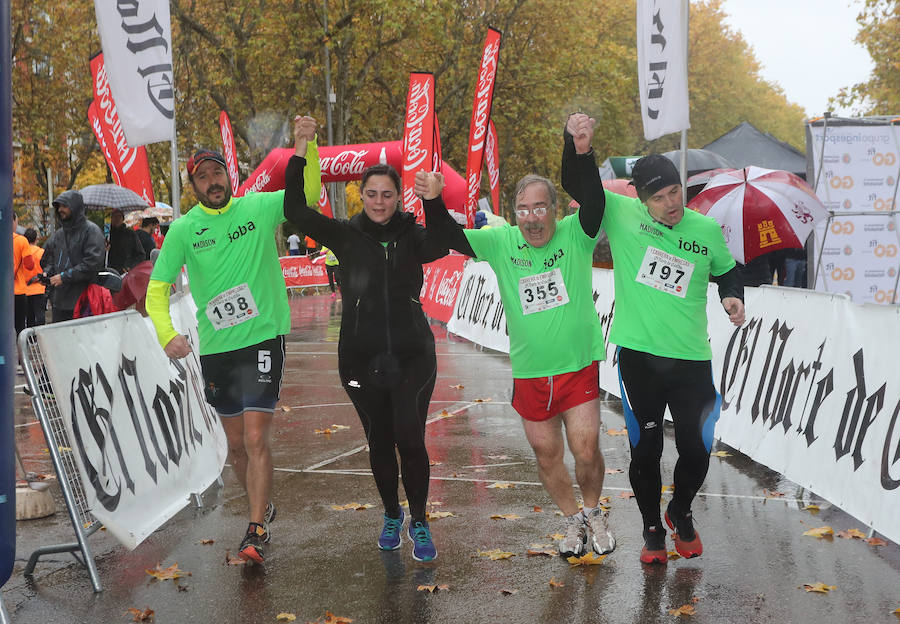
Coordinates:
(699, 160)
(112, 196)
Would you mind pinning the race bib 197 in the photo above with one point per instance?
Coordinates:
(665, 272)
(232, 307)
(542, 291)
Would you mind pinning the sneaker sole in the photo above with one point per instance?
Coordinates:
(424, 560)
(682, 547)
(601, 551)
(397, 547)
(658, 557)
(251, 554)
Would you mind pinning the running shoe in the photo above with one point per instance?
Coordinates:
(654, 550)
(423, 546)
(602, 539)
(252, 545)
(687, 540)
(269, 519)
(390, 533)
(575, 541)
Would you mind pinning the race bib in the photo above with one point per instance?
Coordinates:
(542, 291)
(232, 307)
(665, 272)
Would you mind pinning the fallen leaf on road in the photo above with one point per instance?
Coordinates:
(331, 618)
(537, 509)
(510, 516)
(431, 462)
(673, 555)
(896, 612)
(876, 541)
(497, 456)
(207, 542)
(500, 485)
(721, 454)
(323, 431)
(820, 588)
(813, 509)
(235, 561)
(555, 583)
(851, 534)
(614, 471)
(285, 617)
(820, 532)
(769, 494)
(509, 592)
(604, 500)
(556, 536)
(352, 506)
(458, 387)
(496, 554)
(339, 427)
(683, 610)
(590, 558)
(437, 515)
(616, 432)
(432, 588)
(170, 573)
(285, 408)
(667, 488)
(140, 616)
(487, 400)
(626, 495)
(546, 552)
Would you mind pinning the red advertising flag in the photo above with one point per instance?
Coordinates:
(438, 161)
(324, 204)
(128, 164)
(418, 138)
(230, 151)
(492, 160)
(481, 113)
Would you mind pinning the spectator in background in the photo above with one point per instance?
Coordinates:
(36, 297)
(125, 249)
(758, 271)
(23, 264)
(310, 246)
(145, 235)
(293, 244)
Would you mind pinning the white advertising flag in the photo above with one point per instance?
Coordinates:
(137, 48)
(662, 66)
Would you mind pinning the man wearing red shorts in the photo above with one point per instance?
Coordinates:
(543, 269)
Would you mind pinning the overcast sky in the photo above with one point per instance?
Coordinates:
(806, 46)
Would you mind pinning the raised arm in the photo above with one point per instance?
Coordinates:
(580, 176)
(442, 229)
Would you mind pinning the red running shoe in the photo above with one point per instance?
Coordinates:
(687, 540)
(654, 550)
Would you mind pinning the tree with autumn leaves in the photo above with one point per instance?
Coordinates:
(263, 62)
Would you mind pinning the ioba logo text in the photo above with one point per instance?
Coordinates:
(693, 246)
(241, 230)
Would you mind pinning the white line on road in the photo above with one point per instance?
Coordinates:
(493, 465)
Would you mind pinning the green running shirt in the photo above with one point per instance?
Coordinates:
(231, 256)
(661, 277)
(547, 297)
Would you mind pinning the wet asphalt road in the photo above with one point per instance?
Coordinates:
(751, 521)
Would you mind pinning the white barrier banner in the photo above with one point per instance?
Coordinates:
(478, 314)
(143, 437)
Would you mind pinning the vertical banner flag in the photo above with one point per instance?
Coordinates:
(137, 43)
(129, 165)
(492, 160)
(481, 113)
(324, 204)
(230, 151)
(438, 160)
(418, 138)
(662, 66)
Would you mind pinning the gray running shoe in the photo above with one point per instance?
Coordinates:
(575, 541)
(602, 539)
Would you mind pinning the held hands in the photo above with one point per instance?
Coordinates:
(429, 184)
(304, 130)
(735, 309)
(178, 347)
(581, 127)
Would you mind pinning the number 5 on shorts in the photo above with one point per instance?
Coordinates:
(265, 361)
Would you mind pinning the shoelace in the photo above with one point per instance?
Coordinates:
(392, 526)
(422, 535)
(573, 528)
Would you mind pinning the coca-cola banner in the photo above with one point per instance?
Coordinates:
(324, 203)
(128, 165)
(418, 138)
(481, 113)
(301, 272)
(440, 285)
(230, 151)
(492, 160)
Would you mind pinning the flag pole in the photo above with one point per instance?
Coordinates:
(176, 174)
(686, 4)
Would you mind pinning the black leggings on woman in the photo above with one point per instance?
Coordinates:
(649, 383)
(393, 413)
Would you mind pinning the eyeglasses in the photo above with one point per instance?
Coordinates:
(538, 211)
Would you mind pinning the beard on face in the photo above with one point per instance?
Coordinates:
(206, 201)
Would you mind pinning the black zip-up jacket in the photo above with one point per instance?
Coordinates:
(381, 272)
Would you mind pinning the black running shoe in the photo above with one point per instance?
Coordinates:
(252, 545)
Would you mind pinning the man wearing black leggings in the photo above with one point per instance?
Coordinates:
(663, 256)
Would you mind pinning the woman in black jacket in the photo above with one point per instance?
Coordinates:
(386, 353)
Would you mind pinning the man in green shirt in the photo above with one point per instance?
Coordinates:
(543, 270)
(227, 245)
(663, 256)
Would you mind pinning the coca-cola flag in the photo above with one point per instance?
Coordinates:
(492, 159)
(481, 113)
(137, 40)
(128, 165)
(230, 151)
(418, 138)
(662, 67)
(325, 204)
(438, 160)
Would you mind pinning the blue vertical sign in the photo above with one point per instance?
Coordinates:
(7, 335)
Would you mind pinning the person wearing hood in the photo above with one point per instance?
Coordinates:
(73, 256)
(386, 356)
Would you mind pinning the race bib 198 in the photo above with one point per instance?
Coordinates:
(232, 307)
(665, 272)
(542, 291)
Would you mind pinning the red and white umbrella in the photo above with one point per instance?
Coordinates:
(760, 210)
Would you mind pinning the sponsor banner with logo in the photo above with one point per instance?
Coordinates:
(478, 313)
(492, 160)
(230, 152)
(662, 67)
(137, 43)
(301, 272)
(142, 436)
(324, 204)
(441, 285)
(857, 177)
(128, 165)
(418, 139)
(481, 114)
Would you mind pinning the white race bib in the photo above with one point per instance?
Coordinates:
(665, 272)
(232, 307)
(542, 291)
